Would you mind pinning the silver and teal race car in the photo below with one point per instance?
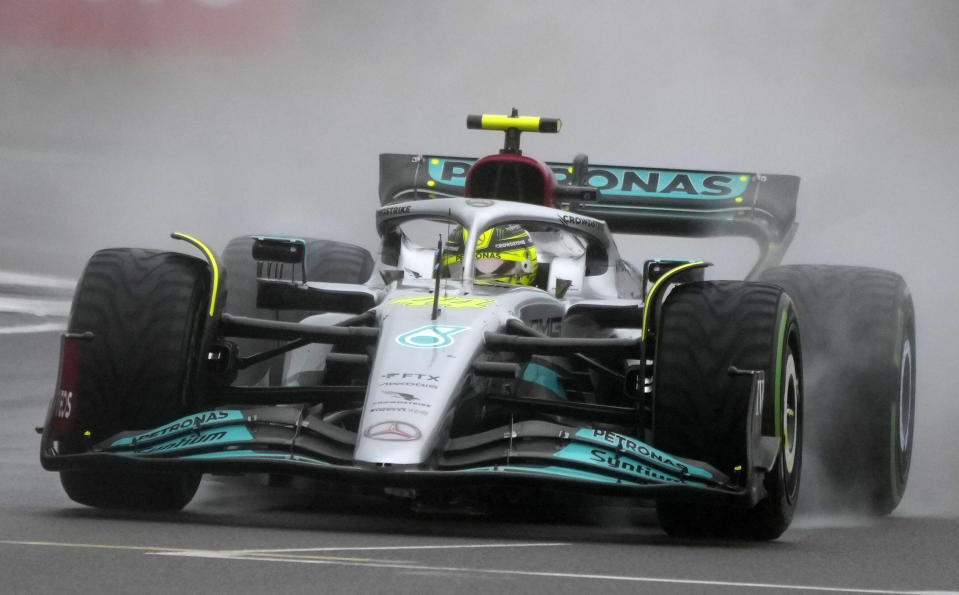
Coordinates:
(497, 345)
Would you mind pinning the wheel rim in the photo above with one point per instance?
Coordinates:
(906, 397)
(790, 414)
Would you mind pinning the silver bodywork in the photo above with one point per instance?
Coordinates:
(421, 366)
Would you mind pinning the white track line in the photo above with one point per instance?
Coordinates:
(33, 328)
(564, 575)
(35, 306)
(104, 546)
(33, 280)
(196, 553)
(304, 559)
(389, 547)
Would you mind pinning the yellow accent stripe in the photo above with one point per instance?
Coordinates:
(502, 122)
(448, 302)
(668, 274)
(209, 257)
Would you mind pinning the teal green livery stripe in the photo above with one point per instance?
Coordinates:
(622, 181)
(246, 454)
(190, 422)
(641, 451)
(552, 470)
(543, 376)
(193, 440)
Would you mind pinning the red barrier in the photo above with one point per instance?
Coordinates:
(178, 25)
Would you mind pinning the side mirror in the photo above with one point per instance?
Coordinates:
(286, 250)
(271, 254)
(653, 270)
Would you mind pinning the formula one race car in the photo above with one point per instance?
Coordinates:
(498, 345)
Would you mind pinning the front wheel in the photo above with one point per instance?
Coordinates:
(701, 408)
(145, 310)
(130, 491)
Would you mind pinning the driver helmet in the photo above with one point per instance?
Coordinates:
(504, 253)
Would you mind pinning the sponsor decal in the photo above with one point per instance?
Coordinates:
(398, 402)
(400, 408)
(445, 302)
(666, 183)
(410, 375)
(409, 384)
(404, 396)
(512, 244)
(204, 438)
(433, 336)
(628, 181)
(191, 422)
(640, 450)
(449, 171)
(578, 220)
(479, 202)
(393, 431)
(64, 404)
(409, 379)
(548, 326)
(632, 446)
(391, 211)
(598, 457)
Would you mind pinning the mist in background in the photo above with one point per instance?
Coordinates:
(124, 120)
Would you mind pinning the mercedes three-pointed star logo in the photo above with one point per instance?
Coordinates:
(393, 431)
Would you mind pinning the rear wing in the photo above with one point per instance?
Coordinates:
(635, 200)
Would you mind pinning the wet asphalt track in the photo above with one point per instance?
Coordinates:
(245, 537)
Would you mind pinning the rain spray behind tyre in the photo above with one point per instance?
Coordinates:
(859, 349)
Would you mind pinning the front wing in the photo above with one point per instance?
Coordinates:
(291, 440)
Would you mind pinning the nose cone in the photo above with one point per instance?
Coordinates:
(418, 372)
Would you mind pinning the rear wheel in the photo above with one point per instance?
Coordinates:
(326, 260)
(145, 310)
(701, 409)
(859, 336)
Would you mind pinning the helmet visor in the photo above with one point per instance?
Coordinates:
(487, 268)
(497, 267)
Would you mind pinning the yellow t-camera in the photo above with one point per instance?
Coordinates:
(521, 123)
(513, 125)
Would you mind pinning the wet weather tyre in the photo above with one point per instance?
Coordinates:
(701, 408)
(130, 491)
(145, 310)
(326, 260)
(859, 349)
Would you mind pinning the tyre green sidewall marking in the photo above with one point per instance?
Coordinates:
(895, 456)
(779, 373)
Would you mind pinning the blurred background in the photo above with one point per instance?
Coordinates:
(124, 120)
